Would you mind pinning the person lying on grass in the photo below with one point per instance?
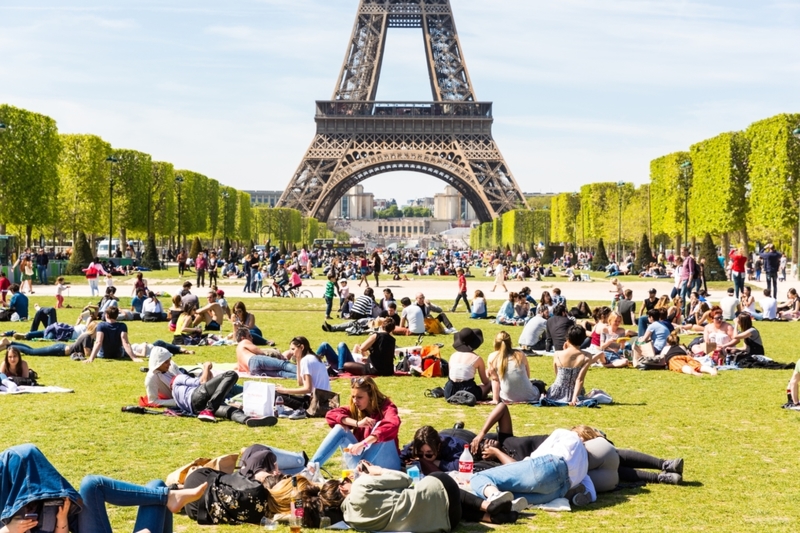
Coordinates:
(27, 479)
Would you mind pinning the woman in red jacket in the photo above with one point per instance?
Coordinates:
(366, 430)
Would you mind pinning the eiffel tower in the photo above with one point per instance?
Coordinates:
(449, 138)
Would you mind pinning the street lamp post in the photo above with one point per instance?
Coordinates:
(111, 160)
(686, 168)
(620, 184)
(796, 134)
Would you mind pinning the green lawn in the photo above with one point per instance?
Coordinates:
(740, 447)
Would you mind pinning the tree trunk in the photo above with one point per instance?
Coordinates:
(794, 243)
(726, 244)
(678, 243)
(28, 235)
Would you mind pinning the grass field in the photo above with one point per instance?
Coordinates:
(740, 448)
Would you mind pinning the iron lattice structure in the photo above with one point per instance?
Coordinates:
(449, 138)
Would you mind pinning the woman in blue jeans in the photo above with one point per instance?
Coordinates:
(84, 512)
(367, 429)
(559, 464)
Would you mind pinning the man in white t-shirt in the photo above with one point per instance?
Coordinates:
(412, 317)
(730, 306)
(769, 306)
(533, 334)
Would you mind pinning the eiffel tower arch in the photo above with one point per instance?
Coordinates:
(449, 138)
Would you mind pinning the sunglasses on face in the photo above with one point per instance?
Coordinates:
(718, 317)
(429, 455)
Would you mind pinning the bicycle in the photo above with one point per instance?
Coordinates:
(274, 290)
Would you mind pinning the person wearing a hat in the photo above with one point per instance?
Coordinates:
(159, 376)
(465, 363)
(647, 305)
(187, 296)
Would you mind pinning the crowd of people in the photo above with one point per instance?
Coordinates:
(512, 472)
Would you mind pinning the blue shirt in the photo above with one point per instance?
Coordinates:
(136, 303)
(658, 333)
(112, 339)
(19, 305)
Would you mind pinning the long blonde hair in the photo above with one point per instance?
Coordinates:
(281, 492)
(502, 345)
(376, 397)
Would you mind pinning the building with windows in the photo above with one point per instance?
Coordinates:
(355, 205)
(451, 205)
(264, 198)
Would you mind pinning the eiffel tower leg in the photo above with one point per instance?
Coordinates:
(361, 68)
(493, 177)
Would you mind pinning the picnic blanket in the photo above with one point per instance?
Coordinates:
(36, 389)
(348, 375)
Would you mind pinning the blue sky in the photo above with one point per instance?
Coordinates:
(583, 90)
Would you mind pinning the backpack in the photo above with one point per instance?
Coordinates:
(695, 270)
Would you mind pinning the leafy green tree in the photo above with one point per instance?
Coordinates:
(244, 217)
(195, 202)
(29, 155)
(720, 175)
(82, 168)
(81, 255)
(565, 210)
(392, 211)
(708, 251)
(644, 255)
(668, 187)
(150, 257)
(774, 178)
(214, 207)
(160, 186)
(132, 175)
(600, 258)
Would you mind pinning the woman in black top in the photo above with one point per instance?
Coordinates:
(376, 266)
(380, 347)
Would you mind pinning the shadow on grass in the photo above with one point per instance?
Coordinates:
(610, 499)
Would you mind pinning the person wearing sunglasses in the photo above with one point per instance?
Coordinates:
(435, 453)
(715, 335)
(366, 429)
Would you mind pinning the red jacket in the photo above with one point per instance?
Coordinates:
(385, 432)
(462, 283)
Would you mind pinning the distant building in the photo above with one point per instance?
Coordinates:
(264, 198)
(355, 205)
(451, 205)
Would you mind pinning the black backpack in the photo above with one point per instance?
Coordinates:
(696, 270)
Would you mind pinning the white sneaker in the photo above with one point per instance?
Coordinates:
(451, 331)
(519, 505)
(500, 497)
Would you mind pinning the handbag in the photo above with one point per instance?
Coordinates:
(644, 356)
(322, 401)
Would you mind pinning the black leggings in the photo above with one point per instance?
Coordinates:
(462, 504)
(630, 460)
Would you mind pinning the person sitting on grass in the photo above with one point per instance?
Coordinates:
(533, 336)
(377, 353)
(794, 386)
(612, 343)
(478, 305)
(570, 366)
(261, 362)
(78, 350)
(366, 429)
(185, 332)
(679, 360)
(505, 316)
(435, 453)
(205, 396)
(465, 364)
(112, 339)
(312, 374)
(27, 478)
(510, 373)
(210, 314)
(13, 365)
(18, 303)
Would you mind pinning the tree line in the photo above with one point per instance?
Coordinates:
(57, 185)
(739, 187)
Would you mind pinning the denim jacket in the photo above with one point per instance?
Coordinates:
(27, 476)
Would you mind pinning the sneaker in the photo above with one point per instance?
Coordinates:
(670, 478)
(332, 372)
(284, 412)
(451, 331)
(581, 499)
(458, 425)
(510, 517)
(326, 327)
(518, 505)
(299, 414)
(262, 421)
(20, 336)
(206, 416)
(499, 497)
(674, 466)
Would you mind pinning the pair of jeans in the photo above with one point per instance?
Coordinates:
(338, 358)
(53, 349)
(264, 365)
(151, 499)
(383, 454)
(44, 315)
(328, 306)
(478, 315)
(538, 480)
(288, 462)
(247, 280)
(686, 289)
(738, 282)
(171, 348)
(772, 283)
(201, 277)
(642, 323)
(42, 273)
(211, 394)
(255, 336)
(93, 286)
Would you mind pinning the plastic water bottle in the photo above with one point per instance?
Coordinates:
(278, 404)
(465, 464)
(413, 473)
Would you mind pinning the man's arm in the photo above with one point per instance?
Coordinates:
(206, 375)
(127, 347)
(98, 342)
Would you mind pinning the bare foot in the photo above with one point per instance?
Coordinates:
(4, 342)
(178, 499)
